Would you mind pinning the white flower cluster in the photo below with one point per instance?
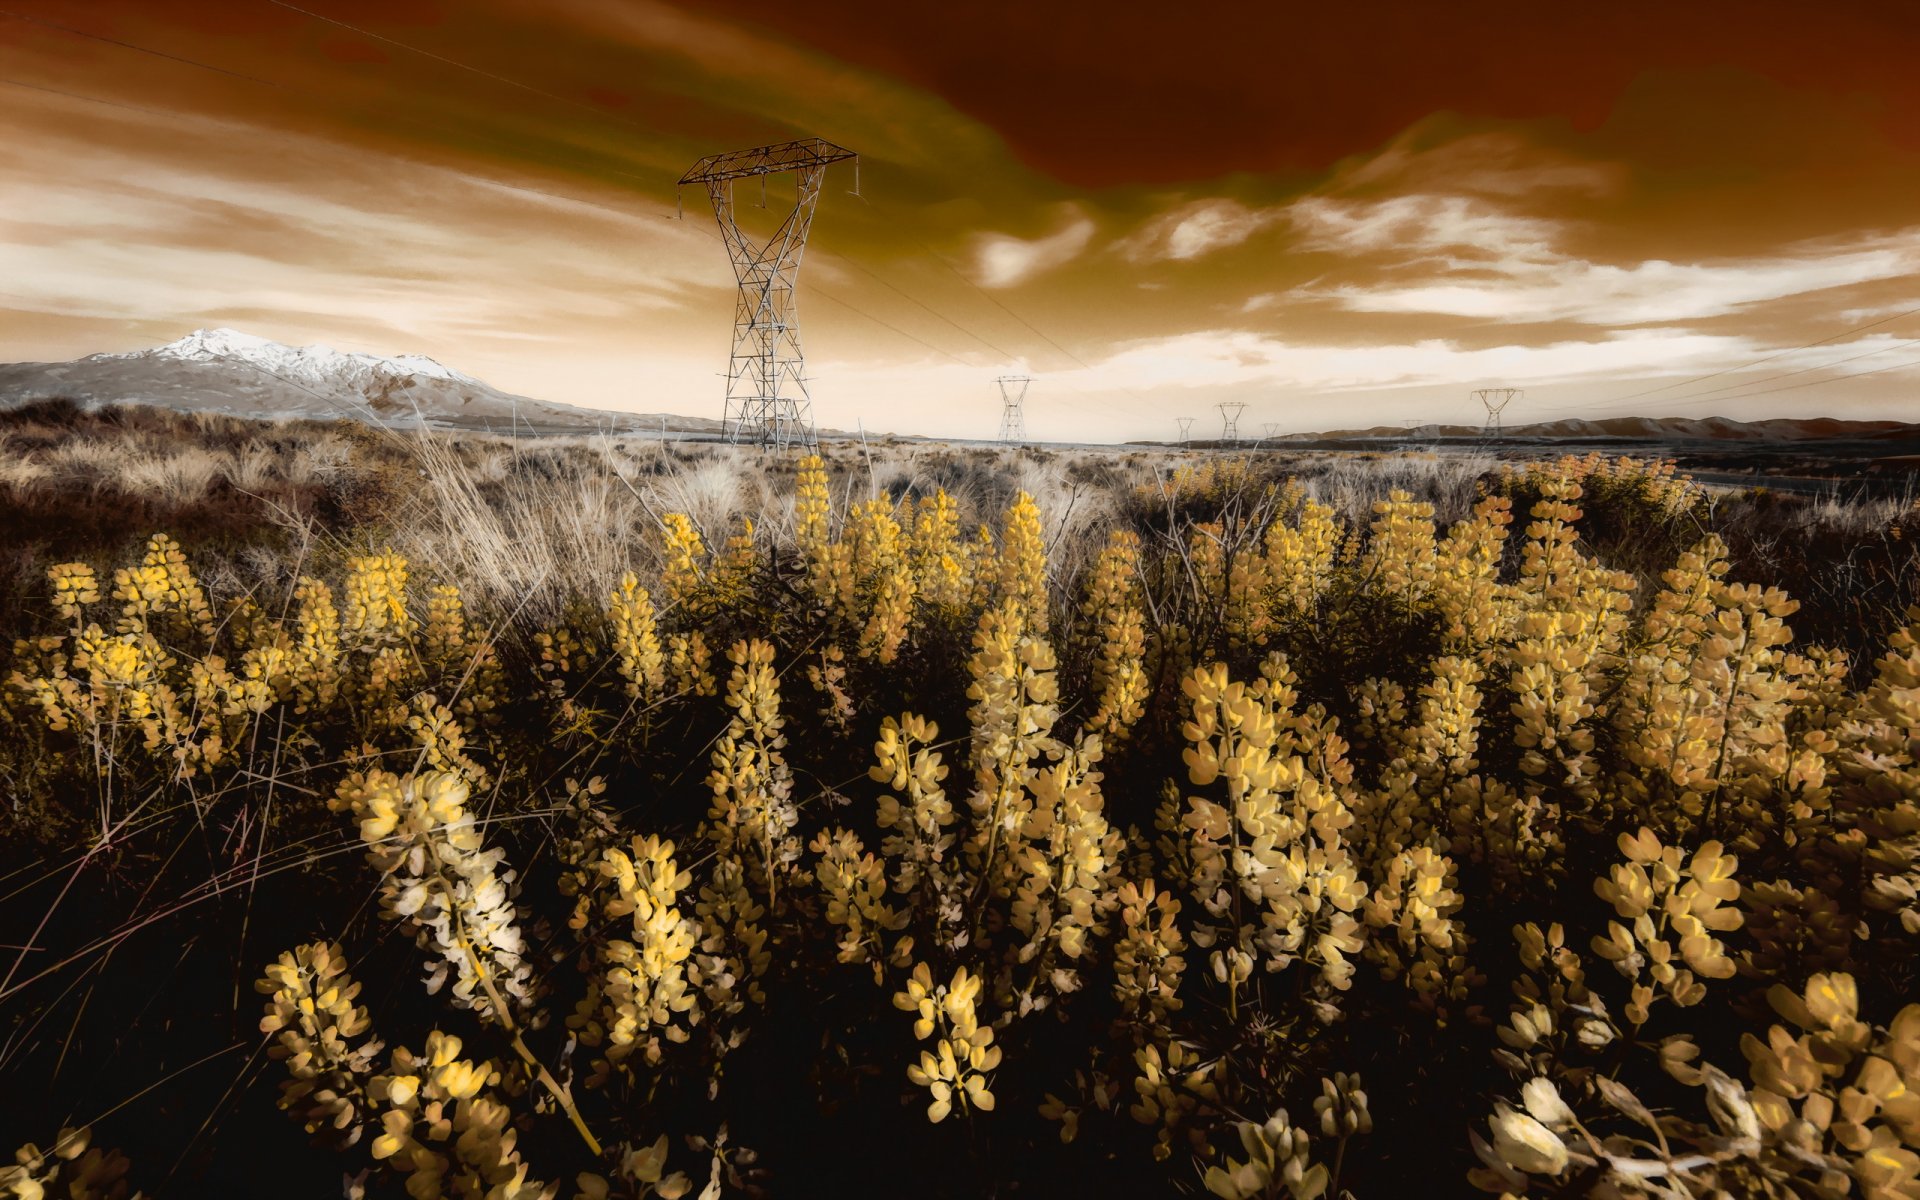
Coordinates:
(438, 875)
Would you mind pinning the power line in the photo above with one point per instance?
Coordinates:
(495, 76)
(1082, 363)
(453, 62)
(928, 308)
(1709, 396)
(1003, 352)
(816, 290)
(177, 118)
(599, 112)
(1089, 406)
(499, 78)
(514, 147)
(576, 164)
(139, 108)
(999, 304)
(473, 180)
(892, 328)
(1778, 354)
(603, 114)
(1030, 326)
(98, 37)
(1899, 366)
(895, 329)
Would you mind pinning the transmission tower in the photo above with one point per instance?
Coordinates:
(1013, 420)
(1230, 411)
(1186, 427)
(767, 400)
(1495, 399)
(1272, 430)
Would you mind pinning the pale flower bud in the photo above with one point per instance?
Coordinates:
(1543, 1101)
(1525, 1144)
(1731, 1109)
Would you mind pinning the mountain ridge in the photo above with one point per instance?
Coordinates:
(1709, 429)
(224, 370)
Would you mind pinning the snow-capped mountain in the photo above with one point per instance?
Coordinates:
(318, 366)
(223, 370)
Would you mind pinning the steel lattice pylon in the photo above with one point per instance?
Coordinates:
(767, 398)
(1230, 411)
(1496, 401)
(1013, 419)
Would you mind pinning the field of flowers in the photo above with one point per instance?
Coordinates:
(1229, 846)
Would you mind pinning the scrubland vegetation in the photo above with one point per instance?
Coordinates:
(608, 819)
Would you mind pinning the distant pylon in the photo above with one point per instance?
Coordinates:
(1496, 400)
(1230, 411)
(1186, 427)
(1272, 429)
(1013, 420)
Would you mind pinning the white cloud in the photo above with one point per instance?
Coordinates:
(1421, 224)
(385, 249)
(1139, 389)
(1196, 228)
(1875, 312)
(1214, 359)
(129, 236)
(1536, 284)
(788, 86)
(1001, 260)
(1453, 237)
(1496, 163)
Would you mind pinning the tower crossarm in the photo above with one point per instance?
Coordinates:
(766, 160)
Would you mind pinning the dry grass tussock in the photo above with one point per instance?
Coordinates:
(592, 817)
(528, 525)
(1350, 483)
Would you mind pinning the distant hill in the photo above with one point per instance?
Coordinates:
(1645, 429)
(224, 371)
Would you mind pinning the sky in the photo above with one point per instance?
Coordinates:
(1337, 215)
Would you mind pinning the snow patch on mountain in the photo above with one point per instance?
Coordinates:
(309, 364)
(227, 371)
